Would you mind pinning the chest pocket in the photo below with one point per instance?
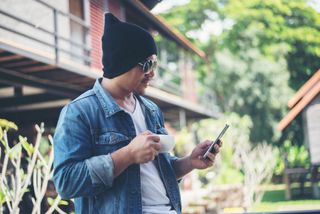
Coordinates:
(109, 142)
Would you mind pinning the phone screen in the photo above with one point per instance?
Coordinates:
(211, 148)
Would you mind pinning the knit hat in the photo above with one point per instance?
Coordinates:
(124, 45)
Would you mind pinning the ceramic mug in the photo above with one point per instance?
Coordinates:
(167, 142)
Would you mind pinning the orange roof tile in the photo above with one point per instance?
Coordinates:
(304, 89)
(307, 92)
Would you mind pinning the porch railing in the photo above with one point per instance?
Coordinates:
(53, 38)
(168, 81)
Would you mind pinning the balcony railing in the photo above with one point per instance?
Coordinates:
(168, 81)
(45, 38)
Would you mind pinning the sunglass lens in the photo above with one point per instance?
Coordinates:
(149, 66)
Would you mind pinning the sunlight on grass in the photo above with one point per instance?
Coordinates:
(274, 199)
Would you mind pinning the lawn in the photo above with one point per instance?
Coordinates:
(274, 199)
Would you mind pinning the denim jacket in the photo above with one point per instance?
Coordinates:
(89, 129)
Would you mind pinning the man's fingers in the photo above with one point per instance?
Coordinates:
(211, 157)
(219, 142)
(156, 146)
(216, 148)
(205, 144)
(154, 138)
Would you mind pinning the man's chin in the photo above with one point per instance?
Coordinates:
(140, 91)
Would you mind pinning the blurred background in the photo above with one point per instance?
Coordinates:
(251, 64)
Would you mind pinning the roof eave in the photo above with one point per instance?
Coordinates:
(304, 89)
(312, 93)
(162, 26)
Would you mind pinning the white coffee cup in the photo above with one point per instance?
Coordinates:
(167, 142)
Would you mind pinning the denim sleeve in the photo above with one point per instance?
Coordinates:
(76, 171)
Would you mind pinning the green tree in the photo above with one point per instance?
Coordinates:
(271, 47)
(291, 23)
(251, 84)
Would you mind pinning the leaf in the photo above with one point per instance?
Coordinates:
(50, 201)
(2, 198)
(63, 202)
(27, 146)
(14, 151)
(8, 124)
(1, 133)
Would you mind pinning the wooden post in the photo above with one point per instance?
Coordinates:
(286, 181)
(314, 182)
(56, 34)
(286, 178)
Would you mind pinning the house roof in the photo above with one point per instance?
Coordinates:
(301, 99)
(162, 26)
(35, 83)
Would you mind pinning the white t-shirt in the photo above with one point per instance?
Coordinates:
(153, 192)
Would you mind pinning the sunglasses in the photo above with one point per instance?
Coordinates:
(148, 65)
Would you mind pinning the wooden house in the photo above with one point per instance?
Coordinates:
(307, 102)
(50, 52)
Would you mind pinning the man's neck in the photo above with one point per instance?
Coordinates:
(124, 98)
(115, 90)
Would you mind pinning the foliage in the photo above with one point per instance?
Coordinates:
(297, 156)
(283, 31)
(15, 177)
(267, 49)
(5, 124)
(191, 17)
(238, 161)
(246, 84)
(225, 169)
(183, 142)
(275, 22)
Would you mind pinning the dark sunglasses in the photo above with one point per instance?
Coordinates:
(148, 65)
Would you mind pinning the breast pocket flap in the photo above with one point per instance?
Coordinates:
(111, 138)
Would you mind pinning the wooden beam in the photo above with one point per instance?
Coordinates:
(155, 93)
(20, 63)
(299, 107)
(36, 106)
(12, 77)
(304, 89)
(80, 80)
(49, 116)
(9, 58)
(28, 99)
(38, 68)
(6, 91)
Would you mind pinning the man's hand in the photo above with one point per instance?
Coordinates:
(144, 147)
(196, 161)
(196, 158)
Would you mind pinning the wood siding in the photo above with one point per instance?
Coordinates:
(312, 121)
(96, 32)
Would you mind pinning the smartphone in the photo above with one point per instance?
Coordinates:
(211, 148)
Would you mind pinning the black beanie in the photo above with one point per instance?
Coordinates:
(124, 45)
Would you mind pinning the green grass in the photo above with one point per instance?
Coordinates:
(274, 199)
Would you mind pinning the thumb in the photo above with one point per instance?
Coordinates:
(205, 144)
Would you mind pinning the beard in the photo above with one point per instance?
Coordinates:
(141, 89)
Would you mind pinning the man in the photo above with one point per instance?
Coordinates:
(106, 148)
